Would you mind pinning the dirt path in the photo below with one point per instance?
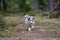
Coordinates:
(21, 33)
(35, 34)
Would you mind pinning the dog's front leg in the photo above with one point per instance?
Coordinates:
(29, 28)
(32, 26)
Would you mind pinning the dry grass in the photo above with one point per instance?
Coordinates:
(14, 20)
(47, 25)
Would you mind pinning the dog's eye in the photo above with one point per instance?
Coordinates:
(28, 18)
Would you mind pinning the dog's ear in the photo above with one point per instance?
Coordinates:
(26, 16)
(33, 17)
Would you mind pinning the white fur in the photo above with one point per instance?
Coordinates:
(29, 23)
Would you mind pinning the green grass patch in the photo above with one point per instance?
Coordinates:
(5, 28)
(5, 34)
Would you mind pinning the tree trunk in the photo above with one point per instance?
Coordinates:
(50, 5)
(36, 6)
(1, 4)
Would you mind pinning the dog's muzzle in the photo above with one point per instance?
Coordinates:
(31, 22)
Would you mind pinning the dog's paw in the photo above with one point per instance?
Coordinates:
(29, 29)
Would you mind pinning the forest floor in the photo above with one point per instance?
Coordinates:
(45, 29)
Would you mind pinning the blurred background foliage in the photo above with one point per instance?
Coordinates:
(27, 5)
(21, 5)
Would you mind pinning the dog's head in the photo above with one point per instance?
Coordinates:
(31, 19)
